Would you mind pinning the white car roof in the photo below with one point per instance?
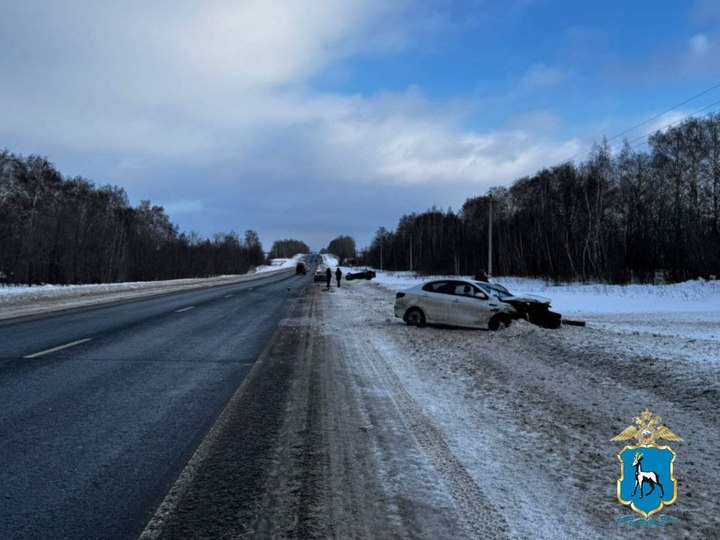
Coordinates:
(419, 286)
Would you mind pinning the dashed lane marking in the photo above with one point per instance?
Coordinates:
(184, 309)
(58, 348)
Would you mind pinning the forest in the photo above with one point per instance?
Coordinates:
(628, 216)
(68, 230)
(287, 248)
(343, 247)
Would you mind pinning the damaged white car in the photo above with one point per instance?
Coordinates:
(453, 302)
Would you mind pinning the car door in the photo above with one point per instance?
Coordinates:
(435, 299)
(470, 306)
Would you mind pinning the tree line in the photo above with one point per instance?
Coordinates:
(343, 247)
(615, 217)
(285, 249)
(68, 230)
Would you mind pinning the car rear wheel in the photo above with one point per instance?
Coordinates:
(415, 317)
(499, 323)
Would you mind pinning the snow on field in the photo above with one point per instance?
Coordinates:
(330, 260)
(279, 264)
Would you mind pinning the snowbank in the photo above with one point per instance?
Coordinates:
(23, 301)
(330, 260)
(279, 264)
(58, 291)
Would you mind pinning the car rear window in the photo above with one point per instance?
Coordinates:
(444, 287)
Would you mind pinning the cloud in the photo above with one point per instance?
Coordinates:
(189, 81)
(166, 77)
(690, 58)
(699, 44)
(407, 139)
(540, 76)
(666, 121)
(706, 11)
(417, 150)
(180, 207)
(540, 121)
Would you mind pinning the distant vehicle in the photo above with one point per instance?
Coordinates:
(366, 274)
(300, 268)
(453, 302)
(536, 309)
(320, 272)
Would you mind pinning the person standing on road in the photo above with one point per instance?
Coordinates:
(338, 275)
(328, 277)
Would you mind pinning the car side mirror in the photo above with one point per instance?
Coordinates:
(481, 296)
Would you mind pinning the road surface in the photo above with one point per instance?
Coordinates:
(101, 409)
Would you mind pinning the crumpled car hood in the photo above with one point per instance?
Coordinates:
(531, 298)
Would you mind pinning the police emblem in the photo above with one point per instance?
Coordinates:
(646, 482)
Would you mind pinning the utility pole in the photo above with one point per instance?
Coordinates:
(411, 261)
(490, 237)
(382, 241)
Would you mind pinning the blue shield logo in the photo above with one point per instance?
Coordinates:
(646, 481)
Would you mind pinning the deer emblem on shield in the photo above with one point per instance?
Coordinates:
(645, 477)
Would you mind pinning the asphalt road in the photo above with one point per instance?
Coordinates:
(101, 409)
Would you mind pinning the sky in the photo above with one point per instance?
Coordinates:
(309, 119)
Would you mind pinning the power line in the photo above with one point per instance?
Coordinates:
(651, 119)
(674, 122)
(664, 113)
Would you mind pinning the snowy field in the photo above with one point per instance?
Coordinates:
(280, 264)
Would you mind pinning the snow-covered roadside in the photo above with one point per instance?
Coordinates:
(24, 301)
(330, 260)
(529, 412)
(279, 264)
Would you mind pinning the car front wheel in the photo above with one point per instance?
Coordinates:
(415, 317)
(499, 323)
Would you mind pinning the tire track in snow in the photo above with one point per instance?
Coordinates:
(477, 514)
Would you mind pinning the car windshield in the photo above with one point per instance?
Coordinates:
(494, 289)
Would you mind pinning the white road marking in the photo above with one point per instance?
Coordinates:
(228, 295)
(184, 309)
(58, 348)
